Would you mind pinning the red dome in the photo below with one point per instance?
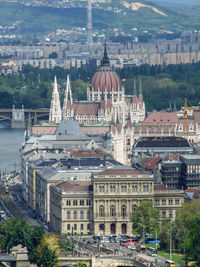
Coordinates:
(105, 77)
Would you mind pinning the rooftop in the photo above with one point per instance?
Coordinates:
(123, 170)
(68, 127)
(166, 142)
(75, 186)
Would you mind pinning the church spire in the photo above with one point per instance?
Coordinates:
(174, 107)
(105, 60)
(55, 110)
(140, 92)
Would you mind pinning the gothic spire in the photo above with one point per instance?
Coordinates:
(174, 108)
(117, 119)
(105, 60)
(55, 110)
(170, 106)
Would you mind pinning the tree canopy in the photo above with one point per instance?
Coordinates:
(145, 218)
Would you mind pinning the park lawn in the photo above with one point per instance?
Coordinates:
(176, 255)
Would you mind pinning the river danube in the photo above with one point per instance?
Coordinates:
(10, 143)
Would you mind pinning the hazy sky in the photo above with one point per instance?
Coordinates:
(188, 2)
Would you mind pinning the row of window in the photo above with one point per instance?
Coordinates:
(78, 202)
(112, 211)
(170, 214)
(170, 202)
(74, 215)
(123, 188)
(75, 227)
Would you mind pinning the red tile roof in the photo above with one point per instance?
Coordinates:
(75, 186)
(151, 163)
(85, 108)
(121, 172)
(194, 191)
(161, 118)
(161, 187)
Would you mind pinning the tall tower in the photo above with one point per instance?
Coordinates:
(55, 110)
(89, 25)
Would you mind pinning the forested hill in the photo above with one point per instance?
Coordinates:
(33, 87)
(146, 16)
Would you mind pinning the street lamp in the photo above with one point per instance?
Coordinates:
(143, 231)
(170, 245)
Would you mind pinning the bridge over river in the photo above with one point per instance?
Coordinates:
(19, 117)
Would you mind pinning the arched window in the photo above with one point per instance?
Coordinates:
(68, 227)
(101, 211)
(112, 211)
(75, 214)
(123, 211)
(82, 214)
(68, 215)
(101, 227)
(134, 208)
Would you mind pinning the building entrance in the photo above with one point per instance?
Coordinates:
(113, 229)
(124, 231)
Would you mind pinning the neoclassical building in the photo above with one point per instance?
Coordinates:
(104, 205)
(106, 100)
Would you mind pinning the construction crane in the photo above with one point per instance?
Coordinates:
(185, 115)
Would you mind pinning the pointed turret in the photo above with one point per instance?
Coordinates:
(105, 60)
(117, 119)
(68, 99)
(170, 106)
(140, 92)
(55, 110)
(134, 98)
(68, 93)
(174, 107)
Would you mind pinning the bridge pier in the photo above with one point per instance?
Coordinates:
(18, 118)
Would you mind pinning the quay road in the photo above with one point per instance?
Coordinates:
(120, 251)
(13, 205)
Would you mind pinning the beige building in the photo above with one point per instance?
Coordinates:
(117, 192)
(104, 205)
(71, 207)
(167, 200)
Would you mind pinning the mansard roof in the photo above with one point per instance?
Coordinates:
(161, 118)
(75, 186)
(87, 108)
(167, 142)
(69, 127)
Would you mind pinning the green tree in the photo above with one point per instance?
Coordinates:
(33, 242)
(14, 232)
(193, 240)
(186, 215)
(47, 251)
(145, 218)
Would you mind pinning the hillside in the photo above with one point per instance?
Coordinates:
(124, 15)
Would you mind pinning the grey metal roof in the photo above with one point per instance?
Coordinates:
(68, 127)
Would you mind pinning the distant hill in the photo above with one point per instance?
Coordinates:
(124, 15)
